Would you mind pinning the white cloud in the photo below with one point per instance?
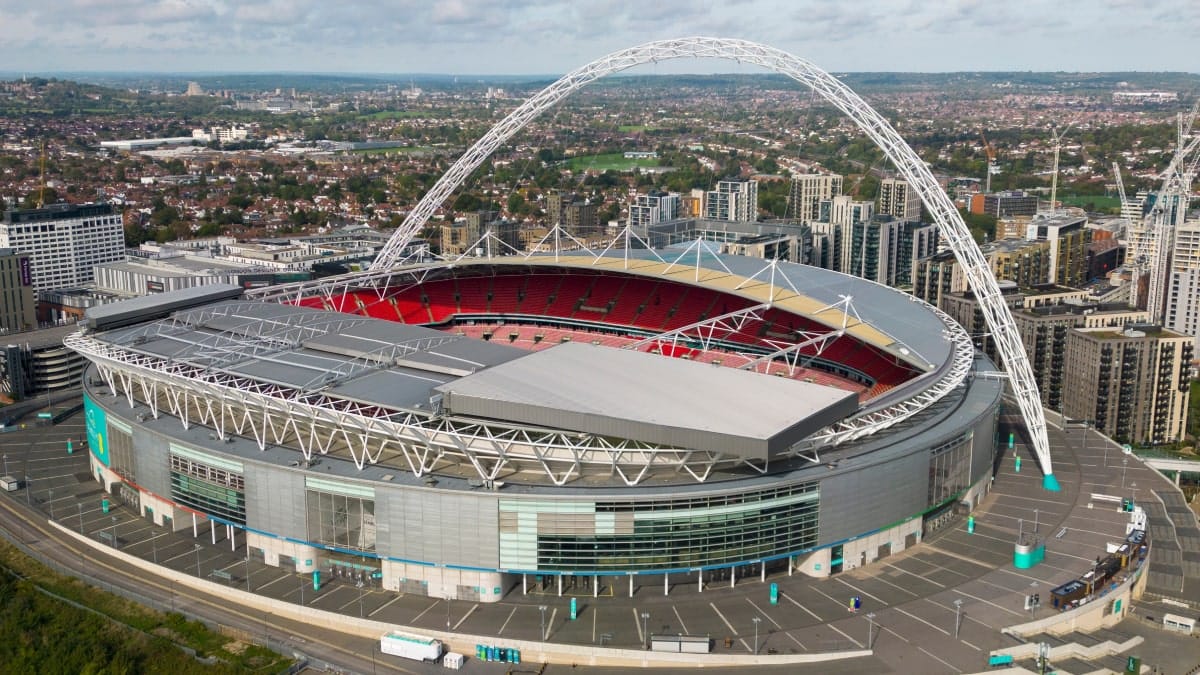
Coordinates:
(546, 36)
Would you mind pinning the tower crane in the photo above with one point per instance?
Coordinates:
(1057, 136)
(991, 163)
(1170, 209)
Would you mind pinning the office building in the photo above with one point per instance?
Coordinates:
(64, 242)
(1005, 204)
(17, 300)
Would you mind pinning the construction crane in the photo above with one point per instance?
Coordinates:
(42, 191)
(1128, 208)
(1057, 136)
(991, 163)
(1170, 209)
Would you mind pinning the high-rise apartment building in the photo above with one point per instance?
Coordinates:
(899, 199)
(1182, 310)
(1132, 384)
(1068, 237)
(64, 241)
(937, 276)
(807, 193)
(735, 200)
(653, 207)
(577, 215)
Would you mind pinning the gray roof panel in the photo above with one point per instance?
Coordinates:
(651, 398)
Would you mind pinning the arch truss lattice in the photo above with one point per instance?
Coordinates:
(907, 163)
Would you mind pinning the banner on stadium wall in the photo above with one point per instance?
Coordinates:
(97, 430)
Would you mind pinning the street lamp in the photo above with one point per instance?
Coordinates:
(645, 630)
(114, 532)
(5, 464)
(447, 610)
(1133, 485)
(154, 543)
(1035, 521)
(197, 547)
(870, 629)
(957, 617)
(542, 609)
(80, 505)
(756, 620)
(28, 490)
(1124, 465)
(51, 503)
(360, 599)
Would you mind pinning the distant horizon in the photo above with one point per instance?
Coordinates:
(9, 74)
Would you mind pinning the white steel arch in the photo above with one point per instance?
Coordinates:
(906, 161)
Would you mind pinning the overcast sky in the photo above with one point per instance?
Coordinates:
(555, 36)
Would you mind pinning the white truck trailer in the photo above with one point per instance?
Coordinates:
(415, 647)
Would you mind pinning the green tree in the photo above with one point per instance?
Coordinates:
(40, 197)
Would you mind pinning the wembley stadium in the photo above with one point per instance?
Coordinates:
(467, 428)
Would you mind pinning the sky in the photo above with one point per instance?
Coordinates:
(519, 37)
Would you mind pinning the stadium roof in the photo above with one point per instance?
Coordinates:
(646, 397)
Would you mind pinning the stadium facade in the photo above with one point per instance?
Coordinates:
(463, 429)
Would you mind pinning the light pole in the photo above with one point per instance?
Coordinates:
(1133, 485)
(51, 503)
(542, 609)
(248, 569)
(1035, 521)
(80, 505)
(756, 620)
(28, 490)
(1124, 465)
(645, 630)
(197, 548)
(870, 629)
(154, 543)
(5, 464)
(301, 591)
(957, 617)
(447, 610)
(114, 532)
(360, 598)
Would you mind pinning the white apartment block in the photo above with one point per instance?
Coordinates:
(655, 207)
(808, 191)
(1183, 296)
(734, 200)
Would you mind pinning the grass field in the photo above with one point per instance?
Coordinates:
(1100, 201)
(614, 161)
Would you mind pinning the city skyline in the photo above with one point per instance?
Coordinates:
(470, 37)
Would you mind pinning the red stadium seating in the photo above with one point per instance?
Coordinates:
(619, 301)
